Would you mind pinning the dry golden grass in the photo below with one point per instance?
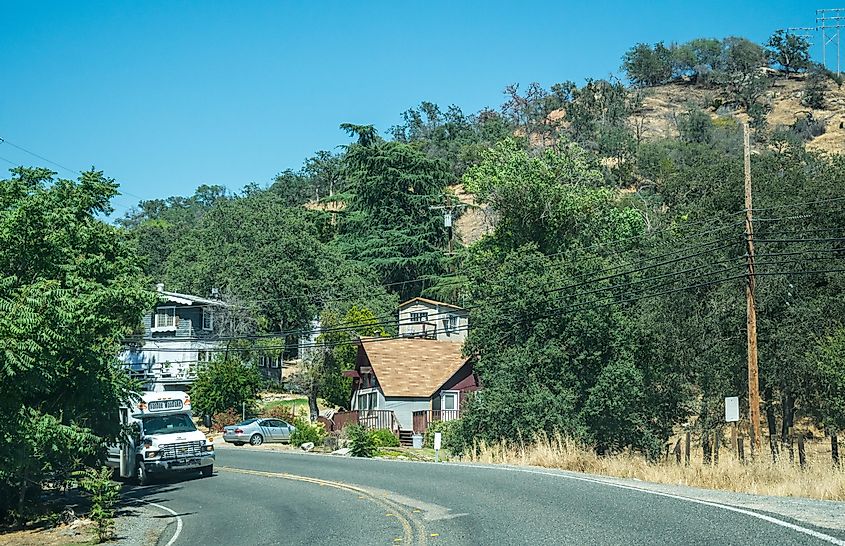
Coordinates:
(760, 476)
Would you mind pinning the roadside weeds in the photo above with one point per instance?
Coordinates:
(759, 476)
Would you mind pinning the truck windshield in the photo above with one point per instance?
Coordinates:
(167, 424)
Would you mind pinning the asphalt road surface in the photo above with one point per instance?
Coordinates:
(271, 497)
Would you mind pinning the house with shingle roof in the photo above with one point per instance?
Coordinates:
(403, 384)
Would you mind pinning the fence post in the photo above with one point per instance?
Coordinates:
(706, 447)
(834, 448)
(716, 441)
(740, 448)
(687, 448)
(802, 454)
(677, 451)
(733, 439)
(790, 444)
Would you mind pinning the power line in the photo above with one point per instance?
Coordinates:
(41, 157)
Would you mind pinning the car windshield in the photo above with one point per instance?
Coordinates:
(247, 422)
(167, 424)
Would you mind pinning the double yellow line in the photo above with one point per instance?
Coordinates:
(413, 527)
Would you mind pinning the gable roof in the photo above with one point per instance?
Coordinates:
(412, 367)
(428, 301)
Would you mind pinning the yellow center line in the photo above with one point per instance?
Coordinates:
(410, 524)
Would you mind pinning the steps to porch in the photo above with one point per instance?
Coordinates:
(406, 438)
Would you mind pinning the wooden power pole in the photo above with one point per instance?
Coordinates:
(751, 307)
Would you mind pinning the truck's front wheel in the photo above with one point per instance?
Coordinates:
(207, 470)
(141, 475)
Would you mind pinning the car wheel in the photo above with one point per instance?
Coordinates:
(238, 443)
(256, 440)
(141, 475)
(207, 470)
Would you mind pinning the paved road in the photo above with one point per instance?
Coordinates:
(271, 497)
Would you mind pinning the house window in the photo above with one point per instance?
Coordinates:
(207, 319)
(449, 400)
(165, 317)
(203, 356)
(275, 362)
(367, 401)
(419, 317)
(450, 323)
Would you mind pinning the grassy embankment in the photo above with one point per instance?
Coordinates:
(818, 480)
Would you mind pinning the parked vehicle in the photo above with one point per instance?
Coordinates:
(258, 431)
(163, 439)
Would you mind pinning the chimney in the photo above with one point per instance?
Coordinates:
(215, 294)
(160, 287)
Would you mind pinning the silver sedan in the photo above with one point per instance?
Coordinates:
(258, 431)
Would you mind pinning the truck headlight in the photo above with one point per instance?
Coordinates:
(209, 447)
(151, 454)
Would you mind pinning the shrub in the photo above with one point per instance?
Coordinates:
(448, 430)
(279, 411)
(225, 418)
(104, 495)
(307, 432)
(226, 384)
(361, 442)
(384, 438)
(815, 87)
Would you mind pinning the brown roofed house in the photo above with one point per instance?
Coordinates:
(405, 383)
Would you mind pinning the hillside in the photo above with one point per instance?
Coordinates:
(657, 118)
(662, 105)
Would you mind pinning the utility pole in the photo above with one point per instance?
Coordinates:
(751, 306)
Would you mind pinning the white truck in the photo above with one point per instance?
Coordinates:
(163, 438)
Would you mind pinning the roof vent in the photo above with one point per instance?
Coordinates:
(160, 287)
(215, 294)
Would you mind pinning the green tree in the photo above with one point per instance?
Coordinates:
(789, 51)
(815, 89)
(389, 224)
(227, 383)
(70, 290)
(647, 66)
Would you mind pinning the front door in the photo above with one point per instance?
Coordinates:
(449, 402)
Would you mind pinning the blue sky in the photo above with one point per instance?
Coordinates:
(165, 96)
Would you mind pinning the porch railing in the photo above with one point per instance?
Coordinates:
(369, 419)
(424, 418)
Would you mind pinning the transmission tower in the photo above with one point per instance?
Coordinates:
(829, 22)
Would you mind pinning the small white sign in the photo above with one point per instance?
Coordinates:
(437, 438)
(731, 409)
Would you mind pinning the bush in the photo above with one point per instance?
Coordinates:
(361, 442)
(226, 384)
(307, 432)
(104, 496)
(279, 411)
(384, 438)
(224, 419)
(815, 87)
(449, 431)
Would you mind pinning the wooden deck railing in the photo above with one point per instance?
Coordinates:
(369, 419)
(424, 418)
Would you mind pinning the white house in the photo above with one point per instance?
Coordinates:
(179, 337)
(429, 319)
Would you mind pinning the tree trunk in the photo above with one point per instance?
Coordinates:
(786, 430)
(314, 410)
(771, 420)
(834, 448)
(706, 448)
